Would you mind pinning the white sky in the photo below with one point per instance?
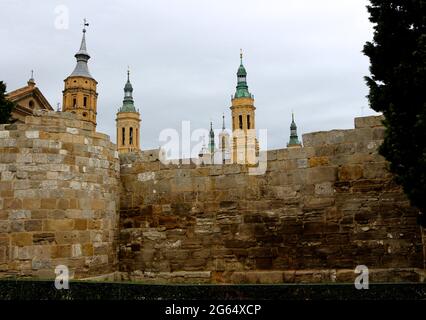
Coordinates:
(300, 55)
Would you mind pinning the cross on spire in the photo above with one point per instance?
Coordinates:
(85, 24)
(241, 56)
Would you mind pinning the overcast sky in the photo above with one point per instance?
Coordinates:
(300, 55)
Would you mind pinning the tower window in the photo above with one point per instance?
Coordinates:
(131, 136)
(31, 104)
(248, 121)
(240, 118)
(123, 136)
(74, 102)
(85, 101)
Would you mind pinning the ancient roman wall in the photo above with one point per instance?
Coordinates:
(317, 213)
(59, 192)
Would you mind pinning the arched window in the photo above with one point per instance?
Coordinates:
(85, 101)
(248, 121)
(31, 104)
(131, 136)
(123, 136)
(74, 102)
(240, 117)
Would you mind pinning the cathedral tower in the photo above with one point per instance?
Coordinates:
(128, 122)
(244, 146)
(79, 95)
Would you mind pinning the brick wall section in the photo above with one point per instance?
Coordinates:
(58, 198)
(316, 213)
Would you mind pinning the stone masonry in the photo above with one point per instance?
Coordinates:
(58, 197)
(317, 213)
(313, 216)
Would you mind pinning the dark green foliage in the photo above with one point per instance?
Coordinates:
(398, 89)
(6, 106)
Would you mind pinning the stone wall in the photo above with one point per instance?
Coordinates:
(58, 197)
(317, 213)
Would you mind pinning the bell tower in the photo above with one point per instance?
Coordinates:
(79, 95)
(244, 142)
(128, 122)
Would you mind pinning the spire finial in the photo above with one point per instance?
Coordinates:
(223, 121)
(241, 56)
(85, 24)
(128, 73)
(31, 81)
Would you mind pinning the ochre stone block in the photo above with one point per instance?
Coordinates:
(350, 172)
(318, 161)
(98, 204)
(80, 224)
(48, 203)
(21, 239)
(61, 251)
(58, 225)
(12, 203)
(31, 204)
(62, 204)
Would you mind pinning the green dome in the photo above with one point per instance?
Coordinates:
(128, 103)
(128, 87)
(241, 71)
(242, 87)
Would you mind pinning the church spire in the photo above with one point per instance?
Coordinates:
(211, 141)
(242, 87)
(128, 103)
(82, 56)
(294, 140)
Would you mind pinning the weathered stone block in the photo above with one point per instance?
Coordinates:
(33, 225)
(21, 239)
(19, 214)
(321, 174)
(58, 225)
(43, 238)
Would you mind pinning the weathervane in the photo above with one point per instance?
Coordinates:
(85, 24)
